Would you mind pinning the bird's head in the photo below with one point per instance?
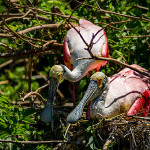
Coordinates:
(98, 83)
(55, 75)
(56, 72)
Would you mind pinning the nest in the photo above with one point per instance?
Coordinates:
(121, 133)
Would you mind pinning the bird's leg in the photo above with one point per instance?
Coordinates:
(73, 94)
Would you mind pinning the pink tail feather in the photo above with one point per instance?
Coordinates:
(141, 105)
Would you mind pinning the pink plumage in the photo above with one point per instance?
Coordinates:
(129, 93)
(74, 47)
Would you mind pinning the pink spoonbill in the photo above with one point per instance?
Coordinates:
(125, 92)
(74, 48)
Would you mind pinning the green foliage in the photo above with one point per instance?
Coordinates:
(17, 123)
(123, 47)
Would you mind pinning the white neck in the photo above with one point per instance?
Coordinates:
(78, 72)
(97, 108)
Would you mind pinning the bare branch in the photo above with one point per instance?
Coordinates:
(57, 14)
(137, 36)
(141, 7)
(33, 142)
(54, 48)
(118, 62)
(6, 46)
(46, 26)
(34, 93)
(13, 16)
(109, 25)
(6, 63)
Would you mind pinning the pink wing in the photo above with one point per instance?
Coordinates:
(142, 103)
(67, 55)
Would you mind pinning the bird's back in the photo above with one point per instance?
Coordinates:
(125, 88)
(74, 46)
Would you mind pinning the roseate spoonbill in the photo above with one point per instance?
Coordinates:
(74, 48)
(125, 92)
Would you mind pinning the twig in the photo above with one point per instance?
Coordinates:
(53, 48)
(6, 63)
(17, 34)
(42, 87)
(6, 46)
(109, 25)
(4, 82)
(78, 33)
(133, 137)
(138, 36)
(57, 14)
(117, 62)
(33, 142)
(141, 7)
(34, 93)
(109, 140)
(127, 16)
(46, 26)
(12, 18)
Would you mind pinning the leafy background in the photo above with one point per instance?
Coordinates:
(18, 121)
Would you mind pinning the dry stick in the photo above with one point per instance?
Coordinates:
(117, 62)
(138, 36)
(42, 87)
(141, 7)
(4, 82)
(51, 47)
(28, 1)
(33, 142)
(13, 16)
(113, 23)
(6, 46)
(109, 140)
(109, 25)
(7, 20)
(50, 26)
(133, 137)
(6, 63)
(46, 26)
(18, 35)
(60, 15)
(34, 93)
